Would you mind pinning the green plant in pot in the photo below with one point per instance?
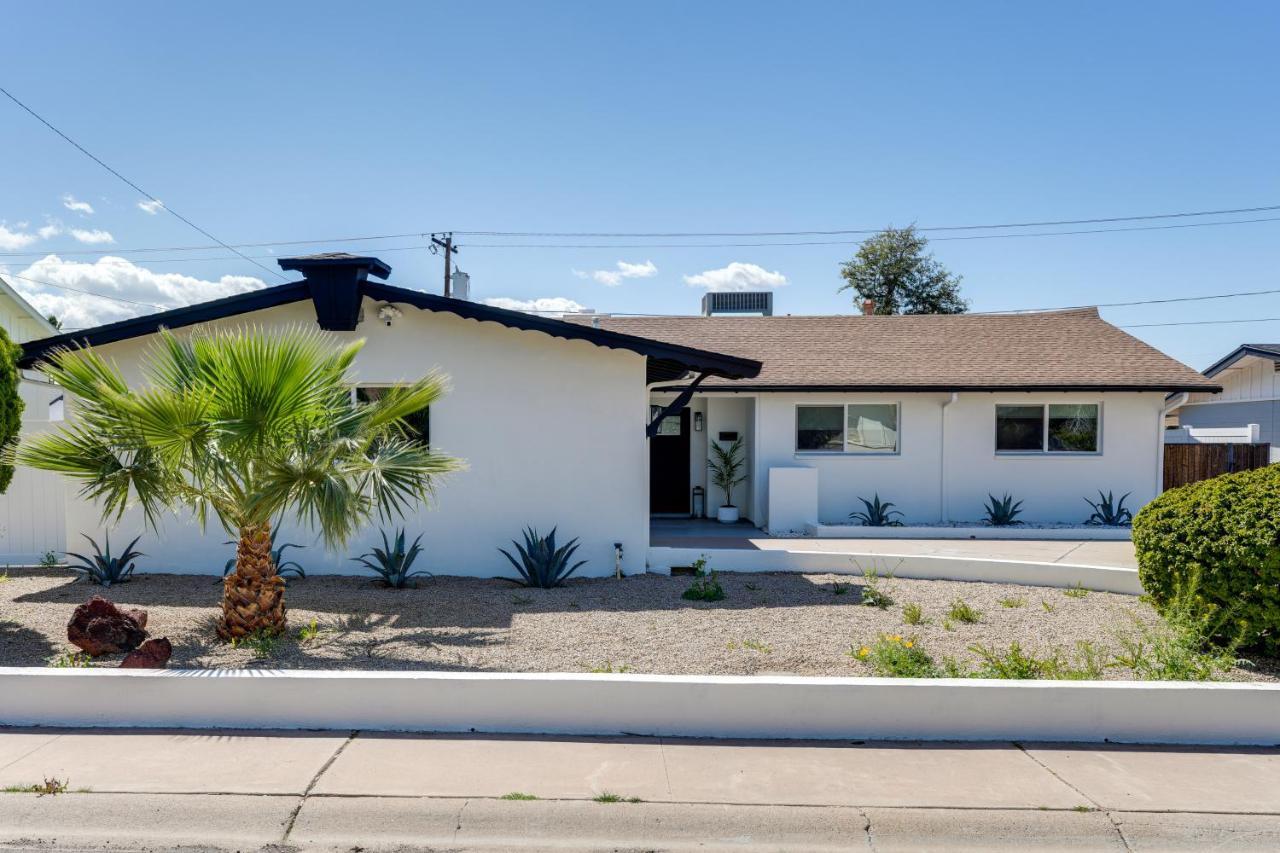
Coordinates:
(727, 473)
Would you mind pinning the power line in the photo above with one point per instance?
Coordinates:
(137, 188)
(654, 235)
(1200, 323)
(1041, 223)
(76, 290)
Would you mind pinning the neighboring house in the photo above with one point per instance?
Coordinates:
(32, 508)
(554, 416)
(1250, 380)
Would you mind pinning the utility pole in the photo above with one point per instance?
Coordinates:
(445, 241)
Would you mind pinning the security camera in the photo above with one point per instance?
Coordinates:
(387, 313)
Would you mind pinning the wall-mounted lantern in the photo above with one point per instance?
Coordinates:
(697, 421)
(698, 506)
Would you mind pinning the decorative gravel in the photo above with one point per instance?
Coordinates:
(767, 623)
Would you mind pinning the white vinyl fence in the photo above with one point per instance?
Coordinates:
(33, 513)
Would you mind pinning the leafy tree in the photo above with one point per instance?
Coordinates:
(249, 426)
(893, 271)
(11, 404)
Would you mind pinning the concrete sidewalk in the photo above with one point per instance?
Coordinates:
(339, 791)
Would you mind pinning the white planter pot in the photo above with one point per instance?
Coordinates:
(727, 514)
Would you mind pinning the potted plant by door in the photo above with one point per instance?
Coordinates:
(726, 473)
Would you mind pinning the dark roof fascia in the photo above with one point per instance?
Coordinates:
(945, 389)
(1237, 354)
(717, 364)
(203, 312)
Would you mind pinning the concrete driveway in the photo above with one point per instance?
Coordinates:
(377, 791)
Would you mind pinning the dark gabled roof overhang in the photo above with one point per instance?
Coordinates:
(747, 387)
(665, 362)
(1271, 352)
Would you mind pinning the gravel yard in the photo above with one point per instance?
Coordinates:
(766, 624)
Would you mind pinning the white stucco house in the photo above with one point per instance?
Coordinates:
(593, 423)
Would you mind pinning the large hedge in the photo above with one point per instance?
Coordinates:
(1227, 531)
(10, 401)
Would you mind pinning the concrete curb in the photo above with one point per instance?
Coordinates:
(679, 706)
(925, 567)
(1029, 532)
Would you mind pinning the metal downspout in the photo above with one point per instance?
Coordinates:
(942, 459)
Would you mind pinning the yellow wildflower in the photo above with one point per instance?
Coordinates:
(864, 652)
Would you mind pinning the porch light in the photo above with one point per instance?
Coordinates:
(697, 421)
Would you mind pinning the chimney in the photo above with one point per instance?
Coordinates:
(333, 280)
(868, 307)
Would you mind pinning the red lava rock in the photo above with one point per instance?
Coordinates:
(153, 654)
(101, 628)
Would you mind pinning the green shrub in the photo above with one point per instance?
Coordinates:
(1222, 536)
(706, 586)
(895, 656)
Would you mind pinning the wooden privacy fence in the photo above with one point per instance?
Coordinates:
(1190, 463)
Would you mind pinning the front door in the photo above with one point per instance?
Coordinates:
(669, 465)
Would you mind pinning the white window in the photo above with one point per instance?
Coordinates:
(1048, 428)
(847, 428)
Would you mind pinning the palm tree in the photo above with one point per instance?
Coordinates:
(249, 426)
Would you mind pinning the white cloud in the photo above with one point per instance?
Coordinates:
(93, 237)
(51, 229)
(543, 305)
(737, 276)
(149, 206)
(70, 203)
(614, 277)
(117, 277)
(11, 240)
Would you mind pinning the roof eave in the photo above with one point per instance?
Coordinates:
(948, 388)
(1237, 354)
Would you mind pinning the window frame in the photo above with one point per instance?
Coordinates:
(844, 429)
(1044, 431)
(355, 400)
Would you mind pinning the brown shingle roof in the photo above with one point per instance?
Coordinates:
(1050, 350)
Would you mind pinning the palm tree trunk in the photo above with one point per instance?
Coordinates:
(253, 594)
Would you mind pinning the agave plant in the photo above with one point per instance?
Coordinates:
(1003, 512)
(102, 567)
(283, 566)
(1108, 511)
(392, 562)
(877, 514)
(541, 563)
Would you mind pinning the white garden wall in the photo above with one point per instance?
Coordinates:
(552, 431)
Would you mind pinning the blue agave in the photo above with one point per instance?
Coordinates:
(392, 562)
(542, 564)
(103, 568)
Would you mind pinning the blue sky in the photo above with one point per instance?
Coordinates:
(269, 122)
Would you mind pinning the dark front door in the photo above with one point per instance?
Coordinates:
(669, 465)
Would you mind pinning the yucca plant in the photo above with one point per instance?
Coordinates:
(246, 425)
(1003, 512)
(283, 566)
(541, 563)
(877, 514)
(1108, 511)
(102, 567)
(727, 468)
(392, 562)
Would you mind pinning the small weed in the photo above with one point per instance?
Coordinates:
(895, 656)
(961, 612)
(872, 594)
(705, 586)
(309, 631)
(608, 667)
(1087, 663)
(838, 588)
(1048, 608)
(1077, 591)
(262, 644)
(521, 600)
(72, 660)
(757, 646)
(1013, 602)
(573, 605)
(913, 614)
(1083, 809)
(49, 560)
(518, 795)
(49, 786)
(948, 625)
(752, 587)
(4, 578)
(607, 797)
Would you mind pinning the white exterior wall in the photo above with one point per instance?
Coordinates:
(552, 432)
(1052, 487)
